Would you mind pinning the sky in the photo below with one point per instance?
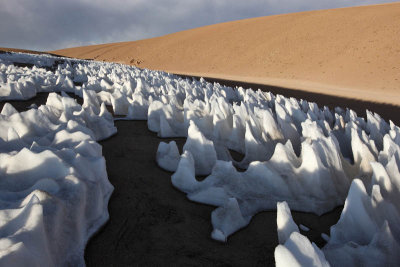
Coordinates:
(46, 25)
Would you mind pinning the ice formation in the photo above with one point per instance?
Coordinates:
(295, 155)
(284, 221)
(54, 187)
(294, 249)
(168, 156)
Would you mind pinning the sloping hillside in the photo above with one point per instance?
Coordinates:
(352, 52)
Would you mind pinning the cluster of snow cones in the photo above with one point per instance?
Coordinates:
(54, 186)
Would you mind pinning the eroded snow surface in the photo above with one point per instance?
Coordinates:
(53, 182)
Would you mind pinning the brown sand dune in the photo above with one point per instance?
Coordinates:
(17, 50)
(352, 52)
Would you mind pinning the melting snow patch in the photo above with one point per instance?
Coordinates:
(54, 187)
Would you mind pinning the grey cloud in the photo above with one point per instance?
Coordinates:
(54, 24)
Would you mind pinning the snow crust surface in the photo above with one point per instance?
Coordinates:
(296, 156)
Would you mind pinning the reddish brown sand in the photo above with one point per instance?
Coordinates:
(5, 49)
(349, 52)
(17, 50)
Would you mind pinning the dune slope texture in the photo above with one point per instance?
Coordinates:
(296, 156)
(351, 52)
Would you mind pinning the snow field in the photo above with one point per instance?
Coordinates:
(296, 156)
(54, 186)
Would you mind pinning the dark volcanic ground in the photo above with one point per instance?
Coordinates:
(152, 223)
